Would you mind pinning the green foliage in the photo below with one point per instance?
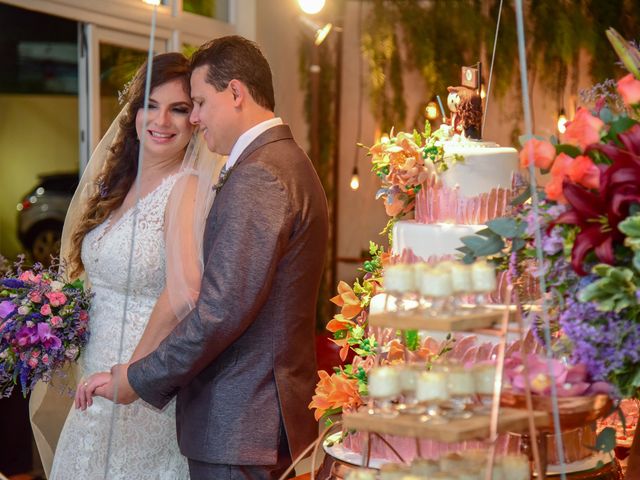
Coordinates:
(436, 38)
(615, 291)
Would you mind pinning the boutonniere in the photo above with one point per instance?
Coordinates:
(222, 178)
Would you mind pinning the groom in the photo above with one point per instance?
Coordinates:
(242, 363)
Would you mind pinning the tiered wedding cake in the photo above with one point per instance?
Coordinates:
(472, 191)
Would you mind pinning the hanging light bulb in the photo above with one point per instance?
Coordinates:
(355, 179)
(562, 121)
(432, 110)
(311, 6)
(483, 92)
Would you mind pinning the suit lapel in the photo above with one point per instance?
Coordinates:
(274, 134)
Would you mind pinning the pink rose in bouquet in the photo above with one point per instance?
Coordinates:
(43, 325)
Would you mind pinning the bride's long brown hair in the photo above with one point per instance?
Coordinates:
(121, 165)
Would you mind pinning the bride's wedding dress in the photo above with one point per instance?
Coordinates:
(139, 440)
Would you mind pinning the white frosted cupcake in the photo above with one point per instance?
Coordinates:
(384, 382)
(431, 387)
(484, 277)
(399, 279)
(484, 376)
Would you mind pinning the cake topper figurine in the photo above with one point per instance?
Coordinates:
(465, 105)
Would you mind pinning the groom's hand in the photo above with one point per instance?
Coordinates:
(119, 386)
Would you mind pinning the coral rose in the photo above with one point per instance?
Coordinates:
(583, 130)
(629, 89)
(541, 151)
(583, 171)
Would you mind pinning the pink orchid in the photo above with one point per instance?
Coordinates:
(47, 338)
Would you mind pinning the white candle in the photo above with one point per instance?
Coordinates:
(436, 283)
(408, 378)
(384, 382)
(431, 387)
(484, 277)
(484, 376)
(461, 278)
(460, 382)
(398, 279)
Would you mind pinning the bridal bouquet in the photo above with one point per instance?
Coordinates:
(43, 325)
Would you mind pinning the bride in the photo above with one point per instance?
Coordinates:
(140, 248)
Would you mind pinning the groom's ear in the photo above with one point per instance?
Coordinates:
(237, 91)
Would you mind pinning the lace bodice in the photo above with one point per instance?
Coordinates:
(144, 443)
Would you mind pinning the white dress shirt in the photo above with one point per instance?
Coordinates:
(247, 137)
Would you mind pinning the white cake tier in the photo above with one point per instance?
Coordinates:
(485, 166)
(430, 240)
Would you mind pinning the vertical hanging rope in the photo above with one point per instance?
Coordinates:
(493, 57)
(145, 112)
(538, 237)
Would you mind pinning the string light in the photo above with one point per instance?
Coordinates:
(355, 179)
(562, 121)
(311, 6)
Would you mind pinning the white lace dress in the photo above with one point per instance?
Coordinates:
(141, 443)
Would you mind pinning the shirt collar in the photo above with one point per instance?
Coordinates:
(249, 136)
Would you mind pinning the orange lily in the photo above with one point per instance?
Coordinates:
(348, 300)
(334, 391)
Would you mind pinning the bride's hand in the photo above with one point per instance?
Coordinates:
(86, 389)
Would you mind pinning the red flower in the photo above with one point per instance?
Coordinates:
(598, 215)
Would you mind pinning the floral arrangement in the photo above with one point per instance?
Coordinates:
(590, 233)
(406, 163)
(570, 380)
(43, 325)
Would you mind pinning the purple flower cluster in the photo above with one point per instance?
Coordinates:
(606, 342)
(43, 325)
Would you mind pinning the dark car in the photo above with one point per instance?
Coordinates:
(41, 214)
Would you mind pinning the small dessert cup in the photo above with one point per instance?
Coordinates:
(431, 393)
(384, 390)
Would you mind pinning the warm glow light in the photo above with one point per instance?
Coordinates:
(322, 33)
(355, 179)
(152, 2)
(431, 111)
(311, 6)
(562, 121)
(384, 138)
(483, 92)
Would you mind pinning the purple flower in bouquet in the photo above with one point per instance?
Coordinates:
(6, 308)
(47, 338)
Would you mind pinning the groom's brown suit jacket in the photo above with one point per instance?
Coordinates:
(242, 363)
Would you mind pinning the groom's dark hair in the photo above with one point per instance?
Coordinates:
(235, 57)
